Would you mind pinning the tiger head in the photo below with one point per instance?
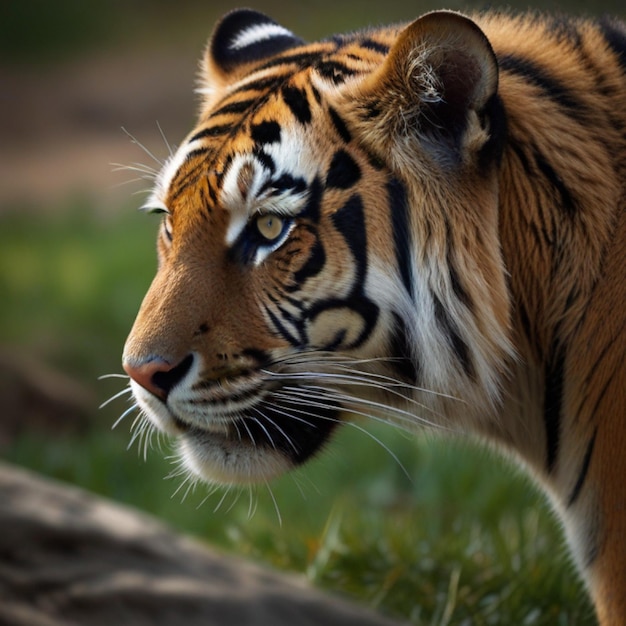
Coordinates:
(329, 245)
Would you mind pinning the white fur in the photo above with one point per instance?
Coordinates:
(258, 33)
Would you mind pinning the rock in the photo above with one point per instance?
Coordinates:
(69, 558)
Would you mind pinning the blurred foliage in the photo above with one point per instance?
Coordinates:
(42, 31)
(72, 282)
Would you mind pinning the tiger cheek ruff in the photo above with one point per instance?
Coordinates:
(423, 224)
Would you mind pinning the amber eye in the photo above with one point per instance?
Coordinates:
(270, 226)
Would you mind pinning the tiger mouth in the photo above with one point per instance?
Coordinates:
(284, 428)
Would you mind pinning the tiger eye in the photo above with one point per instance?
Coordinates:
(270, 226)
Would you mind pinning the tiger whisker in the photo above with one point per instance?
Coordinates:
(256, 420)
(330, 360)
(360, 380)
(186, 486)
(280, 519)
(140, 168)
(288, 414)
(115, 396)
(115, 375)
(245, 425)
(386, 408)
(138, 427)
(298, 409)
(167, 143)
(406, 417)
(235, 500)
(123, 415)
(227, 490)
(134, 140)
(252, 508)
(275, 425)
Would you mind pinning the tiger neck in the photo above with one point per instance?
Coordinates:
(557, 231)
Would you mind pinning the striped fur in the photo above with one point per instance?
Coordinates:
(424, 224)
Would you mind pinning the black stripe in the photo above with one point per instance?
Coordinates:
(213, 131)
(181, 187)
(553, 403)
(493, 149)
(335, 71)
(527, 329)
(265, 160)
(568, 204)
(316, 94)
(376, 162)
(614, 33)
(303, 59)
(551, 86)
(607, 385)
(449, 329)
(285, 182)
(401, 351)
(314, 202)
(206, 202)
(298, 429)
(357, 303)
(265, 132)
(234, 107)
(298, 103)
(349, 220)
(455, 281)
(543, 231)
(344, 171)
(262, 84)
(282, 330)
(564, 29)
(370, 110)
(606, 350)
(582, 475)
(340, 125)
(198, 152)
(370, 44)
(313, 266)
(400, 224)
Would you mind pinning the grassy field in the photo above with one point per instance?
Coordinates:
(441, 534)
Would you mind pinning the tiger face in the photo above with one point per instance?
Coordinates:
(288, 298)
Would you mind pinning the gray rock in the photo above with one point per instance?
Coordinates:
(68, 558)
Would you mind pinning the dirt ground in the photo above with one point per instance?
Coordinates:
(61, 126)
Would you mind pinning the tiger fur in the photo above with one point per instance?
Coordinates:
(428, 217)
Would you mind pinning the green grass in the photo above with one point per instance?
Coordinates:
(463, 539)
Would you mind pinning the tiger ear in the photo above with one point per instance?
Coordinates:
(241, 38)
(437, 80)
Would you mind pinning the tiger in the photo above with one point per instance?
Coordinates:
(423, 223)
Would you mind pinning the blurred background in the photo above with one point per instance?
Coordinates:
(432, 531)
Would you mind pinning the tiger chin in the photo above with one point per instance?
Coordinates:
(424, 224)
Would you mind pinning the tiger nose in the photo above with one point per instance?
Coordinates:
(156, 374)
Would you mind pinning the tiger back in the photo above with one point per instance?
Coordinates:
(424, 224)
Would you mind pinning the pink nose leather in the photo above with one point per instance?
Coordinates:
(157, 375)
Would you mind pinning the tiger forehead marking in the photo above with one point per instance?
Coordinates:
(421, 224)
